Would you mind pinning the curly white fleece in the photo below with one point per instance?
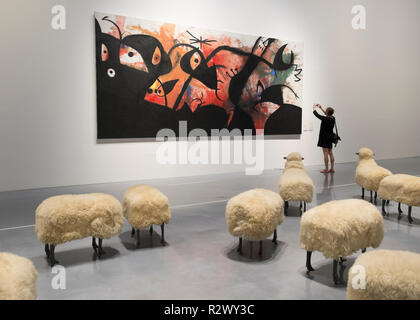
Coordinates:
(17, 278)
(254, 214)
(145, 205)
(69, 217)
(402, 188)
(389, 275)
(368, 173)
(341, 227)
(294, 183)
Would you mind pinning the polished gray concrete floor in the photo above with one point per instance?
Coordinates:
(200, 259)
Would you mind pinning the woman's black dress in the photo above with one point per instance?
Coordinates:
(326, 133)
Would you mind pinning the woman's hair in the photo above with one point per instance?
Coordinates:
(329, 111)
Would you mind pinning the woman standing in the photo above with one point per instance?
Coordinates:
(326, 135)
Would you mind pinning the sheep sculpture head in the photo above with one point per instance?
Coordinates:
(294, 156)
(365, 154)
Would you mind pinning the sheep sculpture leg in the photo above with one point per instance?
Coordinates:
(133, 232)
(240, 246)
(275, 236)
(286, 206)
(383, 208)
(376, 196)
(162, 228)
(49, 249)
(261, 248)
(304, 206)
(363, 250)
(363, 193)
(308, 261)
(94, 245)
(410, 219)
(399, 208)
(138, 238)
(371, 196)
(98, 249)
(151, 229)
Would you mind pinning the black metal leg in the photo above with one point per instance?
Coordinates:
(399, 214)
(261, 248)
(387, 202)
(151, 229)
(100, 250)
(376, 196)
(47, 250)
(162, 229)
(308, 261)
(251, 247)
(94, 245)
(52, 256)
(342, 260)
(133, 232)
(363, 193)
(335, 274)
(383, 208)
(300, 205)
(410, 219)
(363, 250)
(399, 207)
(304, 206)
(240, 246)
(275, 236)
(138, 238)
(286, 206)
(371, 196)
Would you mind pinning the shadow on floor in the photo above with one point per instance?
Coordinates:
(391, 216)
(323, 273)
(250, 251)
(78, 256)
(147, 240)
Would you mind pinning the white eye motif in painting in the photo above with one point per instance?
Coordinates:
(195, 60)
(132, 58)
(104, 53)
(110, 72)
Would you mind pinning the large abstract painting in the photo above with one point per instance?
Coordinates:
(153, 75)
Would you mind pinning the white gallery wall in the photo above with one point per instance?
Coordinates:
(48, 87)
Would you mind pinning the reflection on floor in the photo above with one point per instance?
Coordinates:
(200, 260)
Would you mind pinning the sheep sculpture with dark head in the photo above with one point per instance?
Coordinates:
(294, 183)
(368, 173)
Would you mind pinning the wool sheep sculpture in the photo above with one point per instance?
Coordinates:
(294, 183)
(402, 188)
(368, 173)
(385, 275)
(17, 278)
(254, 215)
(144, 206)
(63, 218)
(339, 228)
